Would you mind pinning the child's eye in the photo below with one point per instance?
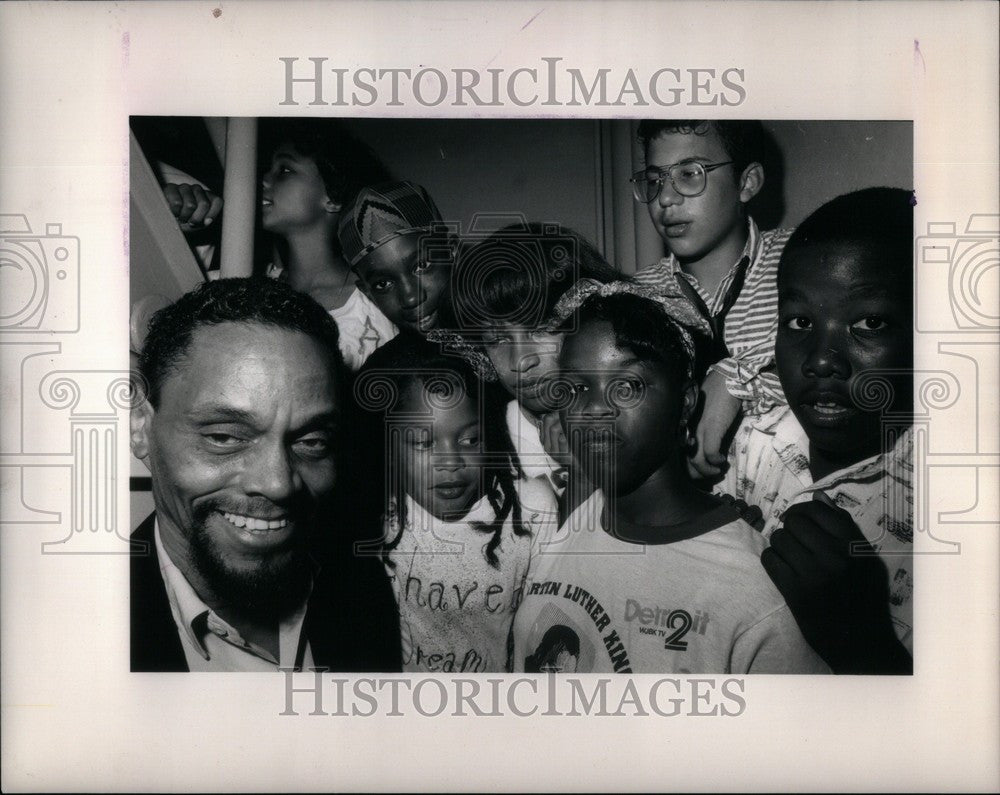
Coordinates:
(382, 285)
(421, 442)
(423, 267)
(469, 441)
(578, 389)
(626, 392)
(632, 386)
(798, 323)
(872, 323)
(687, 171)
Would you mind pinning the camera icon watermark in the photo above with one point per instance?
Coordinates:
(543, 258)
(965, 266)
(40, 276)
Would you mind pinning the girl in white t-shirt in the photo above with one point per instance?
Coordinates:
(316, 170)
(648, 574)
(460, 527)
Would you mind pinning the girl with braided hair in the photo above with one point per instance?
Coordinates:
(457, 540)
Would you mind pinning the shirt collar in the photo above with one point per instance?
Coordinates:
(791, 444)
(185, 604)
(191, 613)
(417, 516)
(751, 249)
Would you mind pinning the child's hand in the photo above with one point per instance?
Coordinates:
(193, 206)
(836, 587)
(720, 411)
(553, 439)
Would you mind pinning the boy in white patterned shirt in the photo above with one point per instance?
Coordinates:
(832, 471)
(698, 179)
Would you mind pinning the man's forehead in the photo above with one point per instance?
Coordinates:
(225, 353)
(249, 338)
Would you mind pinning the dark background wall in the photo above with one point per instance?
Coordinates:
(557, 170)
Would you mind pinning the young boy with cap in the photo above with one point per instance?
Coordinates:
(395, 241)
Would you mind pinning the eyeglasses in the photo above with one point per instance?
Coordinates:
(688, 179)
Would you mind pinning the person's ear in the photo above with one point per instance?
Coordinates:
(691, 394)
(331, 206)
(140, 428)
(751, 181)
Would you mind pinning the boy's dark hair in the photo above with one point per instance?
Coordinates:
(250, 300)
(517, 274)
(744, 141)
(381, 382)
(880, 219)
(345, 163)
(642, 327)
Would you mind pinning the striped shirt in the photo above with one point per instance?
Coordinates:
(750, 325)
(769, 468)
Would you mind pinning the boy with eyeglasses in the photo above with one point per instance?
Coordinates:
(698, 179)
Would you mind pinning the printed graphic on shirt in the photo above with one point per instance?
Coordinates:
(613, 644)
(455, 623)
(455, 606)
(770, 468)
(557, 641)
(369, 340)
(672, 625)
(555, 645)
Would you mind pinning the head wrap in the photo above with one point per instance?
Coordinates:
(383, 212)
(678, 310)
(453, 342)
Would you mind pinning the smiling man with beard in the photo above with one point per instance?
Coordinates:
(247, 563)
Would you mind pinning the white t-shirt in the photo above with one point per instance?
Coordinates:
(363, 329)
(701, 605)
(527, 441)
(455, 608)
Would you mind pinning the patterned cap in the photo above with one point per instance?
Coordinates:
(383, 212)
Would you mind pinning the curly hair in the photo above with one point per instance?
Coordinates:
(744, 141)
(518, 273)
(408, 360)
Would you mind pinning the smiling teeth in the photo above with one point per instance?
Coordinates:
(252, 523)
(828, 408)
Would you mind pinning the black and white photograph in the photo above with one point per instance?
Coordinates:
(570, 367)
